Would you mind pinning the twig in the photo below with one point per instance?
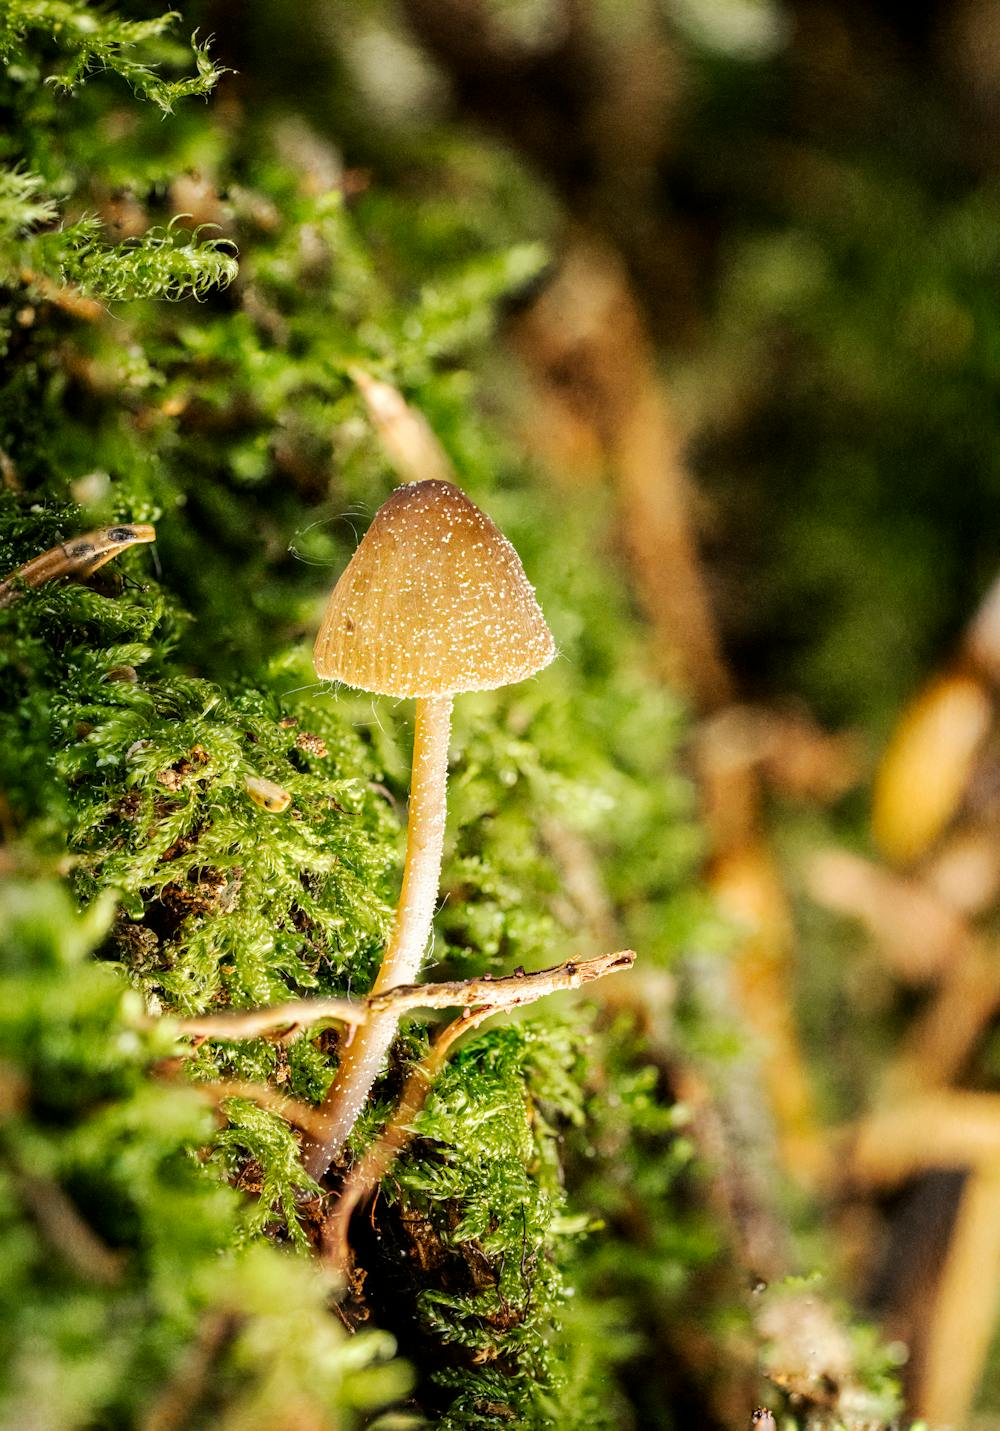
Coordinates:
(406, 436)
(66, 1231)
(80, 557)
(479, 998)
(504, 993)
(64, 296)
(747, 884)
(302, 1115)
(940, 1041)
(366, 1175)
(936, 1130)
(962, 1316)
(917, 932)
(185, 1389)
(589, 323)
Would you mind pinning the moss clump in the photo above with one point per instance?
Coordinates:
(128, 1285)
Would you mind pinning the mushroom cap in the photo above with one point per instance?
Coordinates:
(433, 602)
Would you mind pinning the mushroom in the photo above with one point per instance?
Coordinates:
(434, 602)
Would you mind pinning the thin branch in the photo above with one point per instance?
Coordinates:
(406, 436)
(64, 296)
(80, 557)
(300, 1115)
(505, 993)
(939, 1129)
(960, 1322)
(479, 999)
(365, 1177)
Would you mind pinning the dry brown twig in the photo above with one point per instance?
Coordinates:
(64, 296)
(917, 932)
(300, 1115)
(588, 323)
(479, 999)
(505, 993)
(963, 1314)
(78, 558)
(405, 434)
(941, 1039)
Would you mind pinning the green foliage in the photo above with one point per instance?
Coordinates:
(123, 1283)
(147, 777)
(478, 1206)
(22, 203)
(87, 40)
(157, 265)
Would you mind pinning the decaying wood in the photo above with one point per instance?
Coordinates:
(736, 1146)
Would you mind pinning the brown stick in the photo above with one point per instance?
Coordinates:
(935, 1130)
(80, 557)
(963, 1314)
(940, 1041)
(301, 1115)
(917, 932)
(587, 323)
(504, 993)
(406, 436)
(64, 296)
(66, 1231)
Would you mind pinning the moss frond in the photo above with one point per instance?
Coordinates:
(89, 40)
(161, 263)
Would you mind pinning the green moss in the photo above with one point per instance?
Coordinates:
(121, 1248)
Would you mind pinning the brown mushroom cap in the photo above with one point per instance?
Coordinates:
(434, 601)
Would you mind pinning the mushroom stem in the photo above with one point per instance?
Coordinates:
(362, 1058)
